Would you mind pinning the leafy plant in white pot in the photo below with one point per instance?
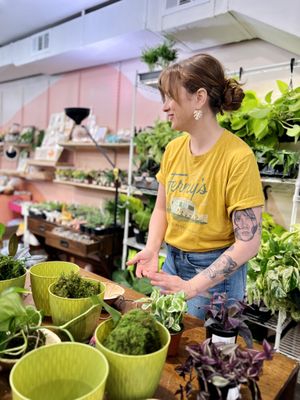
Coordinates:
(168, 309)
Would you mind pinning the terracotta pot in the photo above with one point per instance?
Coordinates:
(174, 344)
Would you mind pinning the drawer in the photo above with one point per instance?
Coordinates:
(39, 226)
(70, 246)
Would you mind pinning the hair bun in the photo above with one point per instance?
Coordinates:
(232, 96)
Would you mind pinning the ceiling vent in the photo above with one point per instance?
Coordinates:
(172, 5)
(41, 42)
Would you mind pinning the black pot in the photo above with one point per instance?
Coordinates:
(218, 334)
(141, 237)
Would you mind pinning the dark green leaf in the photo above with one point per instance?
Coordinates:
(13, 245)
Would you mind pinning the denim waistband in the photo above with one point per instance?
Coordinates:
(175, 250)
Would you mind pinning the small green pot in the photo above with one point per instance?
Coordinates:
(19, 282)
(60, 371)
(42, 275)
(64, 309)
(132, 377)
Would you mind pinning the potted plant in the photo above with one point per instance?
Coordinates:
(136, 343)
(150, 145)
(12, 266)
(168, 309)
(224, 320)
(69, 297)
(159, 56)
(221, 367)
(273, 275)
(78, 175)
(21, 328)
(276, 162)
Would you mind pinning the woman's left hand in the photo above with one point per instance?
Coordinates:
(170, 284)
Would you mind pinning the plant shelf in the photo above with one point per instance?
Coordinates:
(90, 146)
(89, 186)
(48, 164)
(12, 172)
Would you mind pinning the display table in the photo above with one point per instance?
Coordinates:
(277, 382)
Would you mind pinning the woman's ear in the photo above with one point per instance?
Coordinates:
(201, 97)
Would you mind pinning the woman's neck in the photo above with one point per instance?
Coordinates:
(204, 134)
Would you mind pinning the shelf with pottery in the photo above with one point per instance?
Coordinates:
(77, 146)
(89, 186)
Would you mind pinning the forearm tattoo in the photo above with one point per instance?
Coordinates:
(245, 224)
(223, 266)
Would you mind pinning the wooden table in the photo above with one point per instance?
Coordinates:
(277, 382)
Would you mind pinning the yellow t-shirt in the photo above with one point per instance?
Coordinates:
(203, 191)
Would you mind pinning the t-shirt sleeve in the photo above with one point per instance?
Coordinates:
(244, 188)
(161, 175)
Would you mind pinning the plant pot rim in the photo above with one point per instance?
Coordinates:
(226, 332)
(31, 270)
(132, 356)
(102, 290)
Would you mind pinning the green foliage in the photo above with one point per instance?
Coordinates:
(140, 212)
(2, 230)
(10, 267)
(135, 334)
(274, 274)
(151, 143)
(274, 158)
(159, 56)
(169, 309)
(127, 278)
(73, 286)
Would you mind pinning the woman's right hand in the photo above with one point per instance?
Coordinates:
(146, 260)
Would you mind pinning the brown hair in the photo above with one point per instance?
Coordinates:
(202, 71)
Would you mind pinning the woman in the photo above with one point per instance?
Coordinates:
(209, 202)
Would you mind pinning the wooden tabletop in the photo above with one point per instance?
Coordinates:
(277, 381)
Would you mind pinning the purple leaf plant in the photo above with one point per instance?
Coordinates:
(216, 366)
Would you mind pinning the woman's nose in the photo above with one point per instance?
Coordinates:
(166, 106)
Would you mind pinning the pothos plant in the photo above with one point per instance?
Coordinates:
(21, 328)
(274, 274)
(266, 122)
(169, 309)
(151, 143)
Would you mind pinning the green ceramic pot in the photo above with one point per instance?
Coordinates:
(132, 377)
(64, 309)
(42, 275)
(59, 372)
(19, 282)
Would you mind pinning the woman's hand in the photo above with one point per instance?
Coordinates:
(171, 283)
(146, 260)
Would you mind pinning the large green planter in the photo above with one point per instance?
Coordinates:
(64, 371)
(19, 282)
(42, 275)
(64, 309)
(132, 377)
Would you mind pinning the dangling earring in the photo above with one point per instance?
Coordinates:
(198, 114)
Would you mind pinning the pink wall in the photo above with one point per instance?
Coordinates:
(109, 93)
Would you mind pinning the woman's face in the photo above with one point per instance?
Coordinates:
(180, 112)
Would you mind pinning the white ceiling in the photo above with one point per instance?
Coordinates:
(20, 18)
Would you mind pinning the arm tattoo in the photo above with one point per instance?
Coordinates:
(223, 266)
(245, 224)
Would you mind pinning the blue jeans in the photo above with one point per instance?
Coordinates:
(188, 264)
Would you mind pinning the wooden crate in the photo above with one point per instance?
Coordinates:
(39, 226)
(71, 246)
